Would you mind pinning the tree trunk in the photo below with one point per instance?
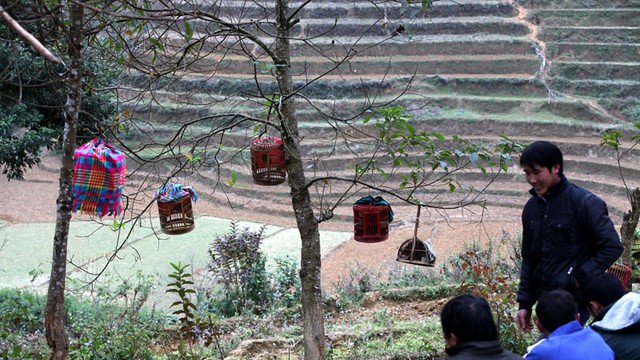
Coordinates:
(312, 307)
(628, 227)
(56, 335)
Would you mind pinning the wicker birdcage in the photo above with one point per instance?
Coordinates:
(370, 222)
(415, 251)
(176, 216)
(622, 272)
(267, 161)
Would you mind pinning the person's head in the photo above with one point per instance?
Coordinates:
(601, 290)
(542, 164)
(554, 309)
(467, 318)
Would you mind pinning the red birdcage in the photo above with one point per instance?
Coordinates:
(371, 222)
(622, 272)
(176, 217)
(267, 161)
(175, 209)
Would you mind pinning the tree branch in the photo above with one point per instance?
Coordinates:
(41, 49)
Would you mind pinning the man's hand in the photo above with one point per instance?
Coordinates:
(524, 320)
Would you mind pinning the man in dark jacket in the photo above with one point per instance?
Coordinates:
(470, 332)
(567, 235)
(616, 315)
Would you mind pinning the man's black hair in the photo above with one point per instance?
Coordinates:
(542, 153)
(469, 318)
(604, 288)
(556, 308)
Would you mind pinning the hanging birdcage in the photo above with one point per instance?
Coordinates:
(267, 161)
(175, 209)
(371, 218)
(415, 251)
(622, 272)
(98, 177)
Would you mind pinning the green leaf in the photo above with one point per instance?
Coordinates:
(234, 178)
(157, 43)
(411, 129)
(117, 224)
(438, 136)
(188, 31)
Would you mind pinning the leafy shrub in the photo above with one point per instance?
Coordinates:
(483, 272)
(193, 328)
(239, 266)
(20, 325)
(415, 276)
(99, 327)
(108, 321)
(120, 338)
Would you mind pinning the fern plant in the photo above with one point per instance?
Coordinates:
(185, 307)
(191, 327)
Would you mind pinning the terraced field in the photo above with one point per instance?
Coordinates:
(559, 70)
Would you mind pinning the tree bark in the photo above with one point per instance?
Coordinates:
(628, 227)
(310, 265)
(56, 335)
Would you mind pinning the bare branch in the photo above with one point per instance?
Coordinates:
(41, 49)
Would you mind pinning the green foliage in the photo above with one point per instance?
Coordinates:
(182, 287)
(108, 320)
(286, 282)
(19, 319)
(34, 96)
(351, 290)
(239, 266)
(483, 272)
(192, 327)
(412, 276)
(375, 339)
(425, 153)
(119, 338)
(99, 326)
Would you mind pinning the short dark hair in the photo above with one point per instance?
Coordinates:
(469, 318)
(556, 308)
(604, 288)
(543, 153)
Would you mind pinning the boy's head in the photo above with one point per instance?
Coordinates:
(542, 153)
(554, 309)
(467, 318)
(602, 290)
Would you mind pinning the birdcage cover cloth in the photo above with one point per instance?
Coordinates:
(98, 176)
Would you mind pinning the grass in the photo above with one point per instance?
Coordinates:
(28, 250)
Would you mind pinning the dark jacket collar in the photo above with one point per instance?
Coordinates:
(554, 190)
(476, 347)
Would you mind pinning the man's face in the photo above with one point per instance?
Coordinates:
(540, 178)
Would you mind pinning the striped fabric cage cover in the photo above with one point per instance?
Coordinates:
(98, 176)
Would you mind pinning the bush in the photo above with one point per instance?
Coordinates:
(353, 288)
(483, 272)
(239, 266)
(21, 318)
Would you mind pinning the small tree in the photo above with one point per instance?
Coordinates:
(628, 230)
(238, 264)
